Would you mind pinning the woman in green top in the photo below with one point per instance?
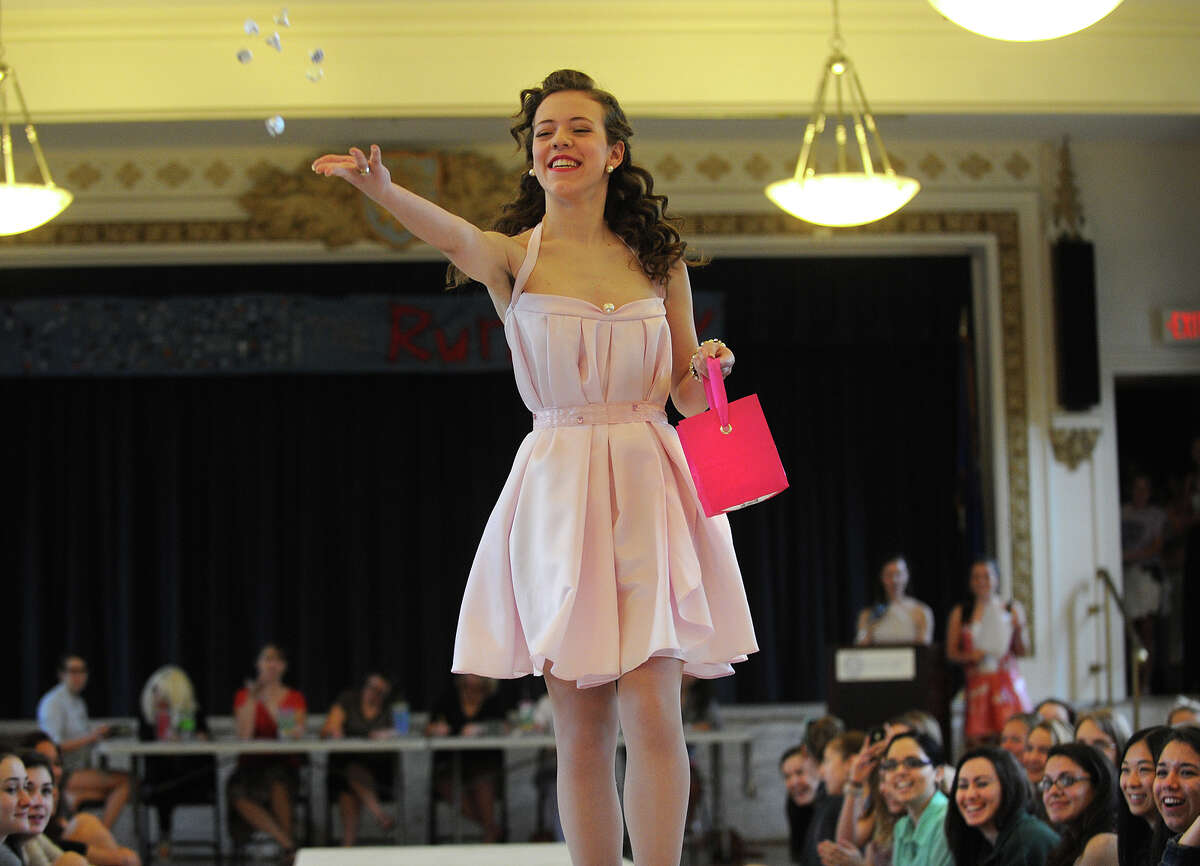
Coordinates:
(912, 769)
(989, 823)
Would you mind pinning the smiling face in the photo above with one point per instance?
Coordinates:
(14, 799)
(1012, 737)
(571, 152)
(894, 578)
(1065, 804)
(271, 665)
(1137, 781)
(979, 795)
(1177, 785)
(40, 787)
(910, 786)
(983, 580)
(1037, 746)
(1091, 734)
(800, 778)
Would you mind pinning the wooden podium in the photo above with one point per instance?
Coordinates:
(870, 684)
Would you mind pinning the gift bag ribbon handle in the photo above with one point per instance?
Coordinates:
(714, 390)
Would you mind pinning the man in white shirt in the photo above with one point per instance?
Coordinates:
(62, 714)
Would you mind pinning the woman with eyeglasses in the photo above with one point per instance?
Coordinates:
(1177, 796)
(1043, 737)
(1138, 821)
(1079, 789)
(912, 769)
(989, 823)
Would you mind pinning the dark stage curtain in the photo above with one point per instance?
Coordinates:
(188, 520)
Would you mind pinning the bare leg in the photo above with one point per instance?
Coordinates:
(348, 804)
(116, 799)
(90, 786)
(656, 775)
(585, 731)
(281, 806)
(363, 786)
(480, 807)
(260, 819)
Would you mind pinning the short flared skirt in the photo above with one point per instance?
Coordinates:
(596, 558)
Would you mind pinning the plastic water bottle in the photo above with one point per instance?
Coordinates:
(400, 717)
(186, 725)
(287, 723)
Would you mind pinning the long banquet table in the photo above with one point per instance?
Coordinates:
(137, 751)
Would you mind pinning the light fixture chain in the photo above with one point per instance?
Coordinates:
(837, 42)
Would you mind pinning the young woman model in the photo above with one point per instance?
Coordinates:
(989, 823)
(1177, 796)
(986, 636)
(1079, 789)
(36, 848)
(596, 569)
(14, 804)
(1138, 821)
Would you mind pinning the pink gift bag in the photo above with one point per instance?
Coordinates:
(729, 450)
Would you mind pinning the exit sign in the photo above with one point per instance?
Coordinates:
(1181, 327)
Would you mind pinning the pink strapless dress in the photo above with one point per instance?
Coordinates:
(597, 556)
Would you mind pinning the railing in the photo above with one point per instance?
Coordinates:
(1137, 651)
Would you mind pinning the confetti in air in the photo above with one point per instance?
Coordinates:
(314, 73)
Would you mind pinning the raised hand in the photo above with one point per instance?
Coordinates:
(368, 174)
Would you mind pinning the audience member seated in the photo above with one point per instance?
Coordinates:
(985, 635)
(836, 759)
(1079, 790)
(1138, 821)
(1185, 712)
(468, 709)
(869, 812)
(898, 618)
(700, 713)
(1015, 732)
(1057, 708)
(989, 823)
(912, 770)
(801, 779)
(170, 712)
(82, 833)
(1043, 737)
(1177, 796)
(14, 804)
(262, 790)
(36, 848)
(62, 713)
(356, 779)
(1105, 730)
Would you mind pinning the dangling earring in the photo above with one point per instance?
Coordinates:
(531, 172)
(610, 168)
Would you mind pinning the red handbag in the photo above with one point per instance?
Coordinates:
(729, 450)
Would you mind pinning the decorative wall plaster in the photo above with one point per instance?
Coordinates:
(83, 175)
(669, 167)
(1073, 445)
(173, 174)
(757, 167)
(713, 167)
(218, 174)
(932, 165)
(1017, 165)
(129, 174)
(975, 166)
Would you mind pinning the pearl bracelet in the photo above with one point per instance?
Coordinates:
(692, 362)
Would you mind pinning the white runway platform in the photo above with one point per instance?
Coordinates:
(546, 854)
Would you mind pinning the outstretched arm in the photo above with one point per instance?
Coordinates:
(483, 256)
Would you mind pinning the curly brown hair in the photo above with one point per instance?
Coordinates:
(632, 210)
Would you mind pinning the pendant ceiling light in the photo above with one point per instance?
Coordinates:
(24, 206)
(852, 194)
(1024, 20)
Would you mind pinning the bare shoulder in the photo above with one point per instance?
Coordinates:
(1100, 850)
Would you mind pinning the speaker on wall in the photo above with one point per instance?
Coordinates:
(1074, 271)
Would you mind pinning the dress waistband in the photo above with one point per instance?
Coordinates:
(599, 413)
